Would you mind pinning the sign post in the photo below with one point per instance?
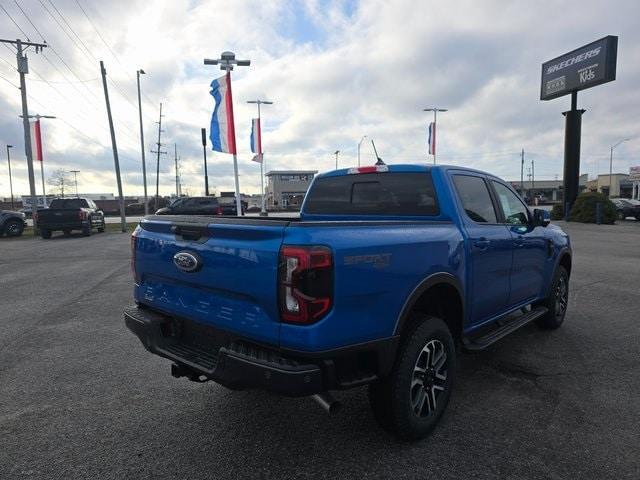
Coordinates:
(582, 68)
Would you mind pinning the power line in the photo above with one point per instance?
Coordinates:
(14, 22)
(29, 20)
(9, 82)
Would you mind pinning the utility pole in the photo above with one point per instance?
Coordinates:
(336, 153)
(144, 163)
(75, 179)
(263, 209)
(435, 111)
(226, 61)
(10, 181)
(175, 157)
(203, 132)
(522, 173)
(114, 146)
(23, 69)
(158, 152)
(533, 181)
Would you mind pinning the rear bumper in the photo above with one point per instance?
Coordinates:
(204, 352)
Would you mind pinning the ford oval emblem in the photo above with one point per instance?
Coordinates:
(187, 261)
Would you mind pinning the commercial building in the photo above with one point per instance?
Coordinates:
(286, 189)
(547, 191)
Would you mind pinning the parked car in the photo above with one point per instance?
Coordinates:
(68, 214)
(200, 206)
(386, 270)
(626, 207)
(12, 223)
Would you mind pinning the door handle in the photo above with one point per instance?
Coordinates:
(481, 243)
(519, 241)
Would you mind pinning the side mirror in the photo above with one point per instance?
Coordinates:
(541, 218)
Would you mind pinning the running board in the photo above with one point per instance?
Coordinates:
(484, 340)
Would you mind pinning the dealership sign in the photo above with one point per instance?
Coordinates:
(582, 68)
(634, 174)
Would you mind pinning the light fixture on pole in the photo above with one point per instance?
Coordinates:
(359, 144)
(611, 163)
(226, 61)
(263, 208)
(10, 181)
(144, 163)
(432, 130)
(336, 153)
(75, 179)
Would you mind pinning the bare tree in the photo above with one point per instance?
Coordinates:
(59, 180)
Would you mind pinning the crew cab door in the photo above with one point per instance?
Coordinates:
(489, 248)
(530, 245)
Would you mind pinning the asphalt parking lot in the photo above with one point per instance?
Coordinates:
(81, 398)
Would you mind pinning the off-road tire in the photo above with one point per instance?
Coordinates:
(46, 234)
(411, 401)
(557, 301)
(13, 228)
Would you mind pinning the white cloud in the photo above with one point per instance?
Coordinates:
(335, 70)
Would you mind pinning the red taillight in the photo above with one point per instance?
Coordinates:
(371, 169)
(219, 211)
(305, 283)
(82, 215)
(134, 244)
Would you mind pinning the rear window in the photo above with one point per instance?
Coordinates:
(397, 194)
(62, 203)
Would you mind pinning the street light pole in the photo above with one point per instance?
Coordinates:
(226, 61)
(75, 179)
(611, 163)
(10, 181)
(144, 163)
(336, 154)
(263, 209)
(435, 111)
(359, 144)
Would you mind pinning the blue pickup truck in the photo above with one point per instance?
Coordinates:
(388, 271)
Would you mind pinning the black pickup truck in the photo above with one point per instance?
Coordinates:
(67, 214)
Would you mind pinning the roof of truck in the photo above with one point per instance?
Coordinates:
(399, 168)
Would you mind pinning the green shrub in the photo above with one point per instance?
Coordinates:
(584, 208)
(557, 212)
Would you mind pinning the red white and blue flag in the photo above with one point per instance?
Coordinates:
(222, 132)
(256, 140)
(432, 138)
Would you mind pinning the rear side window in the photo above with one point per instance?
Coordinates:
(397, 194)
(475, 198)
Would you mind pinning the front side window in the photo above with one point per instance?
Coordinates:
(515, 213)
(475, 198)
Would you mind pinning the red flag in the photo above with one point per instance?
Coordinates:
(36, 141)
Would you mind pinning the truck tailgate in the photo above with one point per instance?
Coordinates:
(234, 283)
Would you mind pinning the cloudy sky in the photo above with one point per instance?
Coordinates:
(335, 70)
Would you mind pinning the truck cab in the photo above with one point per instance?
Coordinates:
(387, 272)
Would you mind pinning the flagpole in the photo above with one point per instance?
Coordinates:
(435, 111)
(44, 193)
(233, 139)
(226, 61)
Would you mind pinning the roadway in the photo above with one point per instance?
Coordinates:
(81, 398)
